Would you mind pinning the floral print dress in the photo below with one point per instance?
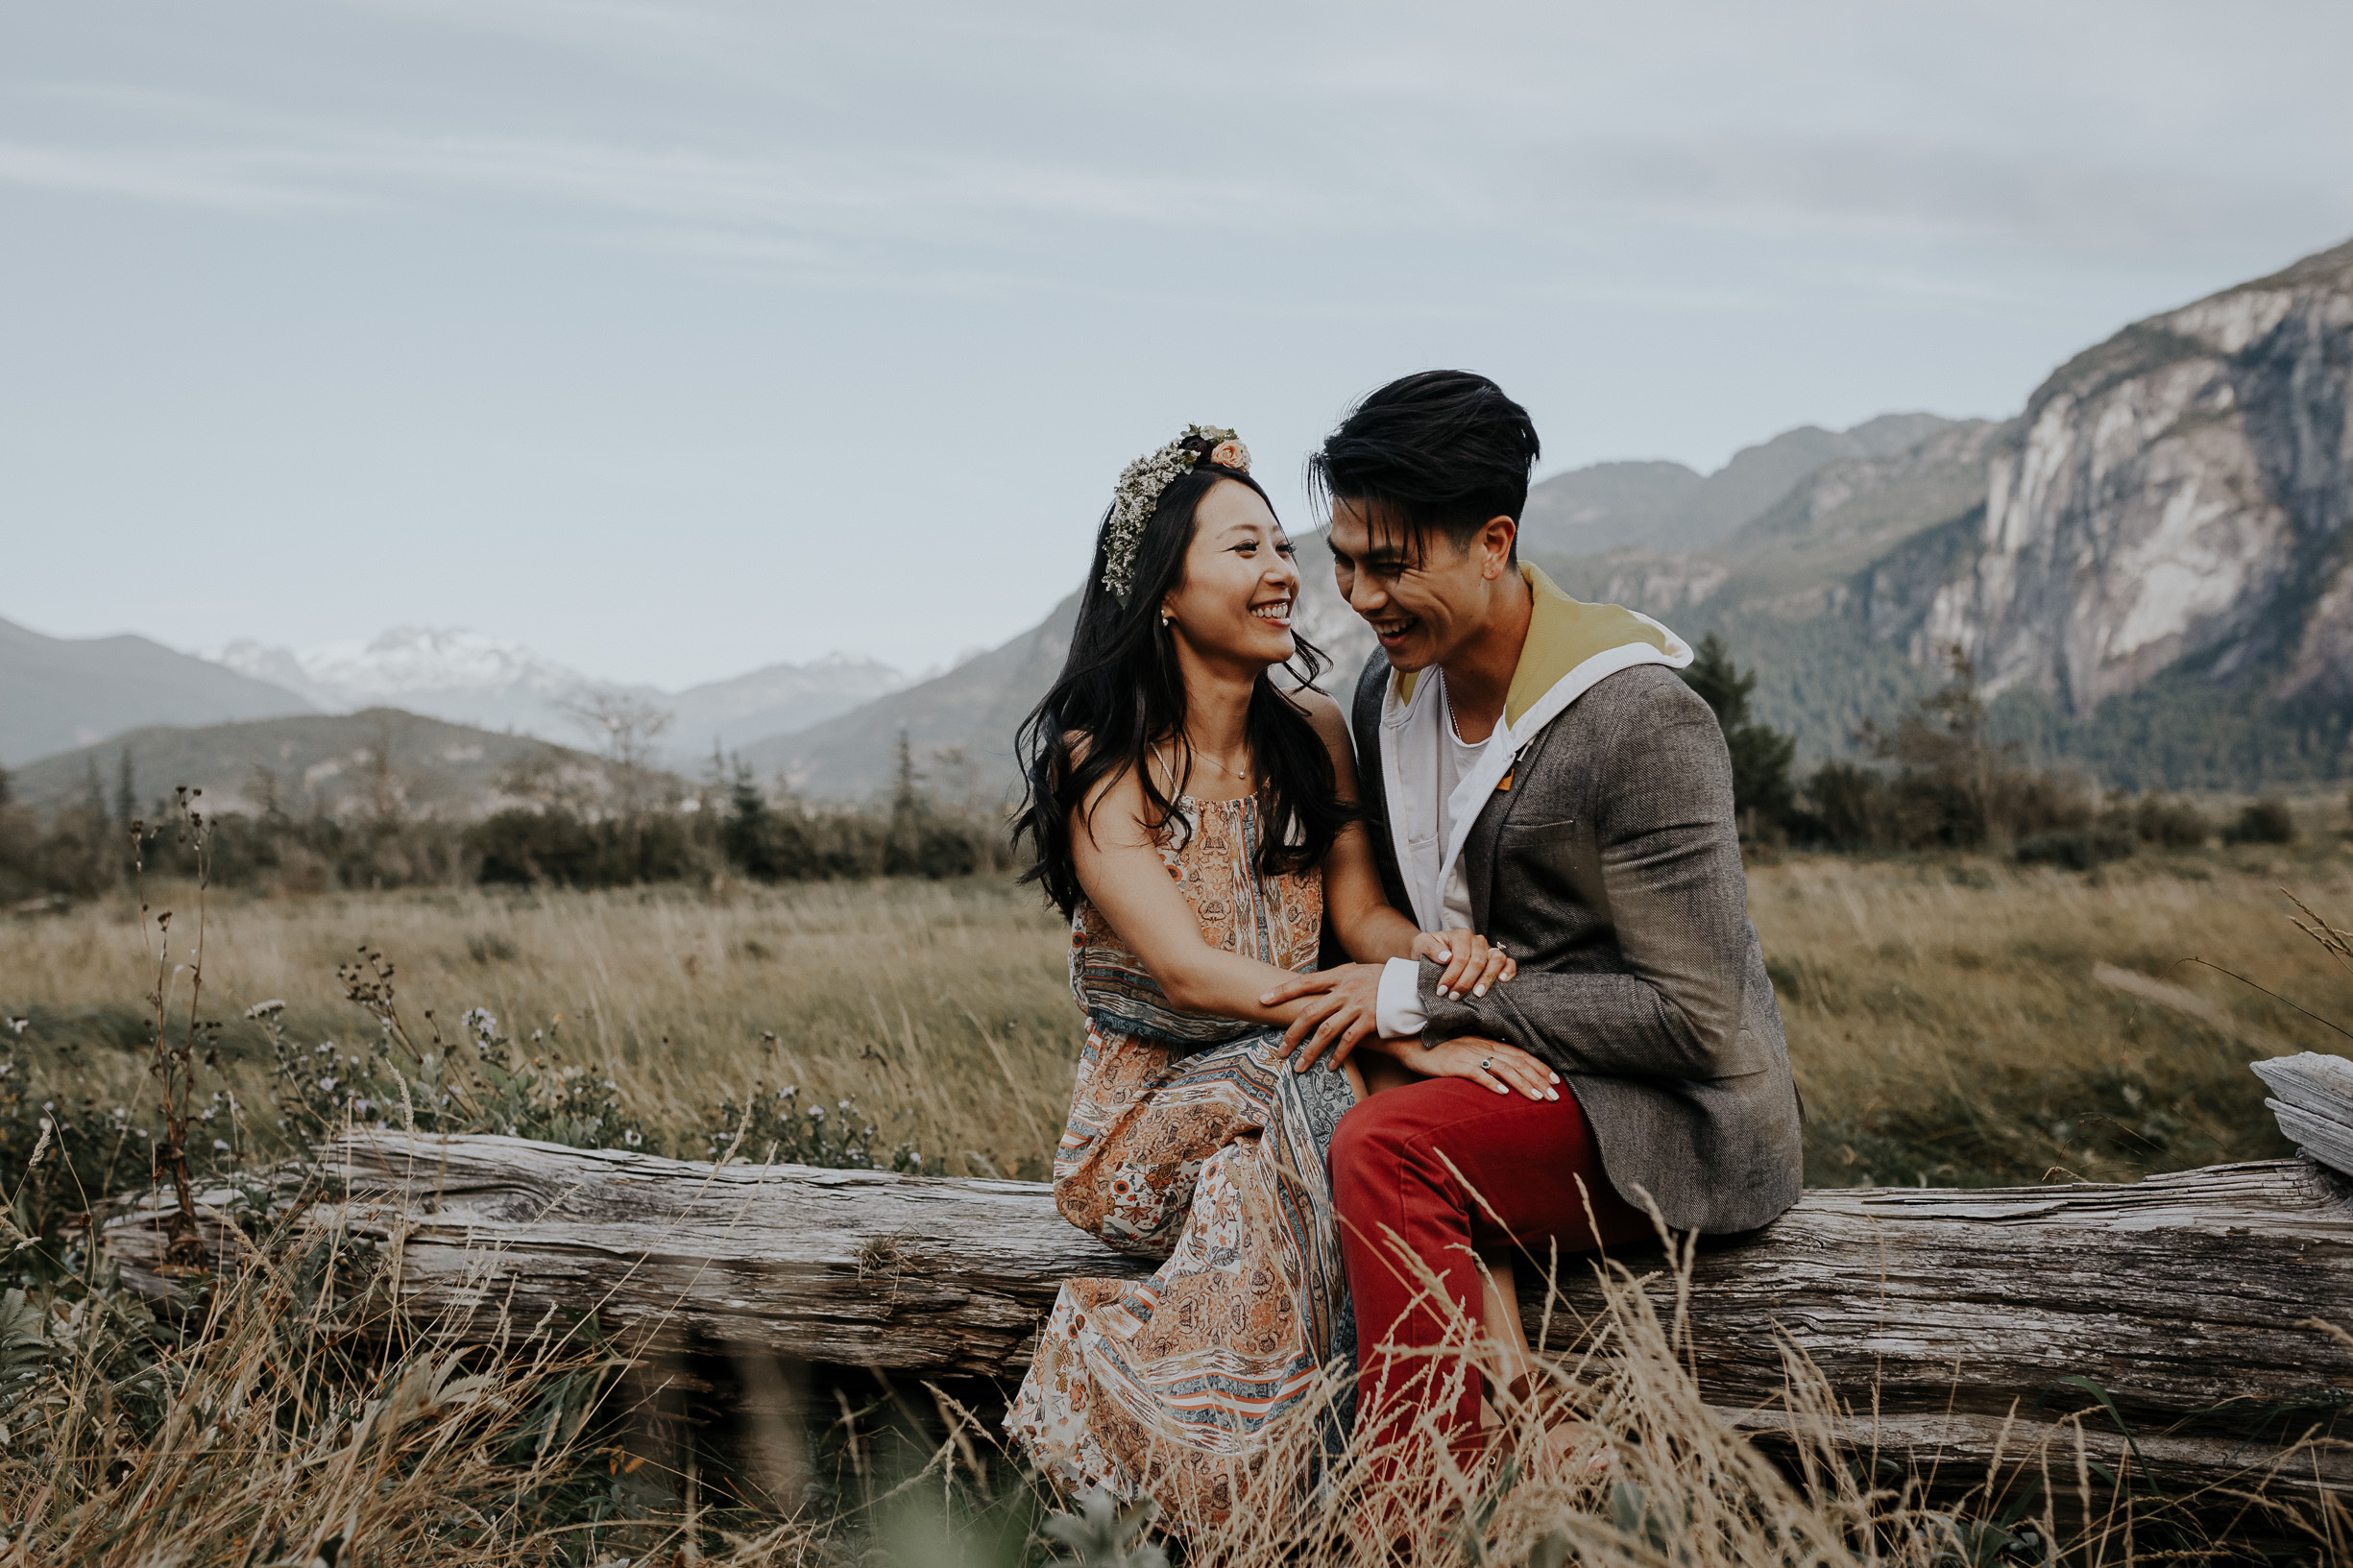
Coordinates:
(1191, 1140)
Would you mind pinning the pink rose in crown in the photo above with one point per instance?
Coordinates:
(1232, 454)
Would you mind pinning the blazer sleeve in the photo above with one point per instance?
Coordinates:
(1678, 898)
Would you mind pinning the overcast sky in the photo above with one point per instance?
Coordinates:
(677, 338)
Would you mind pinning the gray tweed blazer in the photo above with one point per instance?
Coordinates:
(1612, 871)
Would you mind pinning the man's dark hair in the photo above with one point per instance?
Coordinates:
(1439, 451)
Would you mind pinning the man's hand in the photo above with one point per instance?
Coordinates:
(1345, 1010)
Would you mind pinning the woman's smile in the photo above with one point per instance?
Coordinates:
(1274, 611)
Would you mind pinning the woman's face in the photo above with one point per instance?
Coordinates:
(1240, 585)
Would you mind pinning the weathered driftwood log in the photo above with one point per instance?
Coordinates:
(2190, 1299)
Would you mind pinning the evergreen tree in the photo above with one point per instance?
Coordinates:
(126, 790)
(1761, 756)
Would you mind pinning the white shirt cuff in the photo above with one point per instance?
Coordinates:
(1397, 1009)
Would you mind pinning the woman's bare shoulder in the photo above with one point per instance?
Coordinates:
(1330, 723)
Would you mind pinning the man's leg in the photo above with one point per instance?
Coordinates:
(1420, 1176)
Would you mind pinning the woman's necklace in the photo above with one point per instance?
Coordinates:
(1243, 772)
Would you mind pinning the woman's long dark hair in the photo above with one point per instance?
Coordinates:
(1121, 691)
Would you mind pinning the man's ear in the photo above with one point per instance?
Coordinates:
(1493, 541)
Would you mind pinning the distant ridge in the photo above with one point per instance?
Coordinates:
(468, 677)
(340, 763)
(960, 724)
(60, 692)
(1665, 506)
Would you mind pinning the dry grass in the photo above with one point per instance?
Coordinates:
(267, 1434)
(1958, 1023)
(1944, 1015)
(941, 1007)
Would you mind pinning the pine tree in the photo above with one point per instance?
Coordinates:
(1763, 794)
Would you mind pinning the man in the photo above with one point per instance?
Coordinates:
(1533, 769)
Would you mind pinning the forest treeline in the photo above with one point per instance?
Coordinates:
(1935, 778)
(644, 829)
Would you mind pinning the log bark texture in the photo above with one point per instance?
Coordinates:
(2190, 1300)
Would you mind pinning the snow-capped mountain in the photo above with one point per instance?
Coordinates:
(446, 673)
(468, 677)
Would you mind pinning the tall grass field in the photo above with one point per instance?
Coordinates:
(1953, 1021)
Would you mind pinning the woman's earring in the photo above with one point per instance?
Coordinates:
(1166, 619)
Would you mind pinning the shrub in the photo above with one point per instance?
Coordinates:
(2169, 822)
(2265, 821)
(2077, 849)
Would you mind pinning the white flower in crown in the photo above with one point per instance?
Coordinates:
(1138, 493)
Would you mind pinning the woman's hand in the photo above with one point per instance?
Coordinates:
(1472, 963)
(1500, 1066)
(1343, 1011)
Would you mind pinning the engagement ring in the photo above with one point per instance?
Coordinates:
(1485, 1062)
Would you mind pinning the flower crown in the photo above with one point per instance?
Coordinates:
(1139, 488)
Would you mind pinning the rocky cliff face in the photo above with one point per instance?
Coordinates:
(2180, 493)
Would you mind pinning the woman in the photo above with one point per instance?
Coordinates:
(1194, 821)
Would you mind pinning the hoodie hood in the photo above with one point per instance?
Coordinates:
(1566, 635)
(1571, 646)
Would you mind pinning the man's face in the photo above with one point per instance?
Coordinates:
(1422, 609)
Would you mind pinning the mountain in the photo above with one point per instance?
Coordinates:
(2179, 493)
(960, 725)
(772, 701)
(2151, 569)
(1666, 506)
(343, 764)
(56, 692)
(470, 678)
(460, 676)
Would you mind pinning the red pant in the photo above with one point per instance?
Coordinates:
(1423, 1176)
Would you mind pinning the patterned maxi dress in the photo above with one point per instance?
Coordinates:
(1191, 1140)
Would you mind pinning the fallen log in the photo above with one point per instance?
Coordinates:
(1948, 1320)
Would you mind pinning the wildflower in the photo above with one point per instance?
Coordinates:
(481, 1021)
(220, 1144)
(364, 1105)
(633, 1138)
(16, 1025)
(816, 1113)
(325, 1048)
(328, 1084)
(267, 1009)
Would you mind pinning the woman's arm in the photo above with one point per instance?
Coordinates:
(1340, 1007)
(1120, 867)
(1360, 911)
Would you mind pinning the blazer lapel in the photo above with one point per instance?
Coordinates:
(1479, 851)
